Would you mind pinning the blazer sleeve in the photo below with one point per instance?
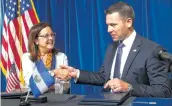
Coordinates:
(28, 67)
(159, 84)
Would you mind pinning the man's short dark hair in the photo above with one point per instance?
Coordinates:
(124, 10)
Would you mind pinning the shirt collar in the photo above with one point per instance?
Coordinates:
(129, 41)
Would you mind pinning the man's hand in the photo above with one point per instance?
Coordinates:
(72, 71)
(117, 85)
(62, 74)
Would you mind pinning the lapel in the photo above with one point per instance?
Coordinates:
(132, 54)
(111, 58)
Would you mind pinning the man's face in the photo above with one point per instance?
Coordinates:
(117, 26)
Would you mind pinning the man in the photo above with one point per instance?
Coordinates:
(131, 62)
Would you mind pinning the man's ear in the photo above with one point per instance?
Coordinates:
(129, 22)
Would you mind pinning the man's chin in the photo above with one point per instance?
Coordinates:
(115, 40)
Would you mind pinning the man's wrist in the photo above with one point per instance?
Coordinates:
(77, 73)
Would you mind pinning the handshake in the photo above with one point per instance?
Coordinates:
(65, 72)
(116, 85)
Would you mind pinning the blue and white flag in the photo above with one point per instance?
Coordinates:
(40, 80)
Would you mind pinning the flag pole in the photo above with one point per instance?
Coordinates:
(20, 40)
(33, 6)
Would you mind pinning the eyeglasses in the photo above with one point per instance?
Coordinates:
(48, 35)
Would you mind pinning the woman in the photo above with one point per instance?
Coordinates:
(41, 48)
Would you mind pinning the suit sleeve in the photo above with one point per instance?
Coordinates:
(160, 85)
(95, 78)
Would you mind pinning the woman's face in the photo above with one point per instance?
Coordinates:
(45, 40)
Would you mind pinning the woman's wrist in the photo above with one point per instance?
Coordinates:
(52, 73)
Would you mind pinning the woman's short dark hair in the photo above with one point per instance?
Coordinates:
(124, 10)
(33, 34)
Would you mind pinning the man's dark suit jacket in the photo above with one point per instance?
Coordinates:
(143, 70)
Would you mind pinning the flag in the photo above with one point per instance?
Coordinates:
(19, 17)
(13, 79)
(40, 80)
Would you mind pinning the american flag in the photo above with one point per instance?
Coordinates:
(19, 17)
(13, 79)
